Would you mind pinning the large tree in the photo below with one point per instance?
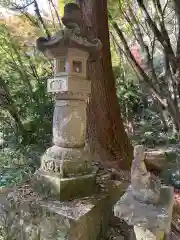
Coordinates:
(105, 127)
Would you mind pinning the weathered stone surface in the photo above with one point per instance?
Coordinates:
(119, 238)
(173, 237)
(69, 123)
(145, 234)
(68, 83)
(68, 162)
(72, 96)
(75, 35)
(145, 215)
(52, 185)
(156, 159)
(80, 219)
(145, 187)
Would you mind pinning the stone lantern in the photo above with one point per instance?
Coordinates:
(66, 168)
(71, 89)
(60, 201)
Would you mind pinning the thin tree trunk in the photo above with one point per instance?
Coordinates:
(175, 115)
(105, 125)
(161, 115)
(9, 105)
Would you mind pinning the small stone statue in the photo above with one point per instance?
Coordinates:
(145, 186)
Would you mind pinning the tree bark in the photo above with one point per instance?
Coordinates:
(106, 132)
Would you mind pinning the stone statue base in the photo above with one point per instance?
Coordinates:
(67, 162)
(52, 185)
(155, 218)
(27, 216)
(65, 174)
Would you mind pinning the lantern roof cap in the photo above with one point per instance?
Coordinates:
(74, 35)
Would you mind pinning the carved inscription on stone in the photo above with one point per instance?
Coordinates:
(57, 84)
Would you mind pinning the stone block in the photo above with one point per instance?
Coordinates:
(146, 234)
(147, 216)
(69, 123)
(65, 83)
(52, 185)
(80, 219)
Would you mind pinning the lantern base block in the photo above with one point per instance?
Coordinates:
(30, 217)
(52, 185)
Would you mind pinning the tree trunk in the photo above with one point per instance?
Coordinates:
(175, 116)
(106, 131)
(162, 115)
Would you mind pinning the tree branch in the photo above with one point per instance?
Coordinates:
(19, 8)
(120, 50)
(165, 42)
(177, 9)
(143, 45)
(139, 68)
(56, 12)
(37, 11)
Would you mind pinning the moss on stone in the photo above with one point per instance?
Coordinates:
(52, 185)
(85, 218)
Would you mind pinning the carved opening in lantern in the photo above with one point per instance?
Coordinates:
(59, 65)
(77, 66)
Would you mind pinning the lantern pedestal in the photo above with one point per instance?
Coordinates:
(66, 168)
(52, 185)
(26, 216)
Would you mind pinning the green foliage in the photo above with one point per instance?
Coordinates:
(13, 176)
(128, 93)
(26, 108)
(24, 73)
(17, 162)
(149, 131)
